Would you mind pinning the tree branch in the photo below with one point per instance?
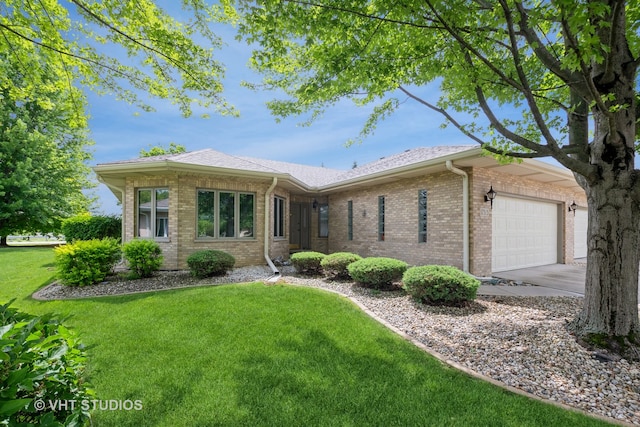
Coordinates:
(526, 89)
(445, 113)
(73, 55)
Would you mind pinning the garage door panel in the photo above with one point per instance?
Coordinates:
(525, 233)
(580, 224)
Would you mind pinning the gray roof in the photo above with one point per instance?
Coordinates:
(312, 176)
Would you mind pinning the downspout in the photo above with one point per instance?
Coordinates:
(267, 210)
(465, 213)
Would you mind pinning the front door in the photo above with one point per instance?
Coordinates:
(299, 228)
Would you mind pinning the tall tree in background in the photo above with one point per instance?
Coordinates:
(43, 157)
(48, 49)
(159, 150)
(555, 78)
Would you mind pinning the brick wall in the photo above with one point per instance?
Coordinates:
(182, 217)
(444, 221)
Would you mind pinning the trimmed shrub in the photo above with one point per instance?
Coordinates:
(210, 263)
(377, 272)
(87, 227)
(440, 284)
(335, 264)
(85, 262)
(42, 361)
(143, 256)
(308, 262)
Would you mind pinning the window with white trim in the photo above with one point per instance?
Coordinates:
(153, 213)
(225, 214)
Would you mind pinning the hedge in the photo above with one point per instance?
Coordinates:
(336, 264)
(87, 227)
(208, 262)
(377, 272)
(440, 284)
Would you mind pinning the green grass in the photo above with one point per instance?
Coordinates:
(251, 354)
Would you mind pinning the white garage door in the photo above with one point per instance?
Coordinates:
(580, 234)
(525, 233)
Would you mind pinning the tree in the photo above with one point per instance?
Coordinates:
(84, 43)
(159, 150)
(42, 158)
(538, 79)
(48, 50)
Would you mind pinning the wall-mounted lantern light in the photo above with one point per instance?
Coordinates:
(491, 194)
(572, 208)
(314, 205)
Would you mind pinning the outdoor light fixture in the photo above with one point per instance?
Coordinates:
(573, 207)
(491, 194)
(314, 205)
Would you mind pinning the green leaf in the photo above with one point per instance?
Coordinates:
(10, 407)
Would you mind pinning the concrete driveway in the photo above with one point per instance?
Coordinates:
(550, 280)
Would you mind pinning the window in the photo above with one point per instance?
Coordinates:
(225, 214)
(350, 220)
(206, 213)
(422, 216)
(323, 220)
(381, 218)
(153, 213)
(278, 217)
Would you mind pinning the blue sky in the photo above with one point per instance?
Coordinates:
(120, 132)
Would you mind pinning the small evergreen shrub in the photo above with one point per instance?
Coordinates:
(377, 272)
(308, 262)
(88, 227)
(143, 256)
(440, 284)
(85, 262)
(210, 263)
(42, 362)
(335, 264)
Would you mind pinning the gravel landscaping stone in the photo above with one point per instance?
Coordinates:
(520, 341)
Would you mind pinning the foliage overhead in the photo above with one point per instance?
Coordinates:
(526, 56)
(115, 47)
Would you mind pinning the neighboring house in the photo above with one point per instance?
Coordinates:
(424, 206)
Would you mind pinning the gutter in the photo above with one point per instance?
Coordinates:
(267, 206)
(465, 213)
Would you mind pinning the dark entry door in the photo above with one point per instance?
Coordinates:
(299, 225)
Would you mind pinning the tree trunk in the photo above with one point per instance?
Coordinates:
(3, 241)
(611, 293)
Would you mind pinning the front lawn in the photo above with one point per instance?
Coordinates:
(252, 354)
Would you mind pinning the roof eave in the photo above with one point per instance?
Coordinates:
(388, 173)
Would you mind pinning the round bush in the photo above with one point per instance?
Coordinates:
(143, 256)
(85, 262)
(308, 262)
(377, 272)
(336, 264)
(208, 262)
(440, 284)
